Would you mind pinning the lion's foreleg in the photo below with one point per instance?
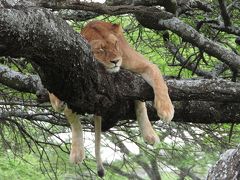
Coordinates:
(98, 127)
(162, 101)
(136, 62)
(146, 129)
(77, 149)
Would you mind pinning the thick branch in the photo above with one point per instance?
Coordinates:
(170, 5)
(19, 81)
(183, 90)
(77, 15)
(110, 10)
(217, 90)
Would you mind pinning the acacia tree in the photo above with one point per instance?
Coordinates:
(199, 38)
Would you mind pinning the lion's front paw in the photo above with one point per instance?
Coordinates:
(164, 108)
(77, 155)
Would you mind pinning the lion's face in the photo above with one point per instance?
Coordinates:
(107, 52)
(104, 42)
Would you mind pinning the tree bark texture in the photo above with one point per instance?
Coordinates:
(227, 167)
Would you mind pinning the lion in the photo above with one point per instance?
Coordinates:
(111, 49)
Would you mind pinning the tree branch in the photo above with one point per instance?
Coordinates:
(187, 5)
(110, 10)
(184, 62)
(169, 5)
(189, 34)
(78, 15)
(217, 90)
(21, 82)
(224, 13)
(46, 117)
(225, 92)
(228, 29)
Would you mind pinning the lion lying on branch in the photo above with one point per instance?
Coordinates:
(112, 50)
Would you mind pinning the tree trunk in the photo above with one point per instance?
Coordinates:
(227, 167)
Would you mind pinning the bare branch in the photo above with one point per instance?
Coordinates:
(42, 117)
(184, 63)
(189, 34)
(19, 81)
(224, 13)
(189, 5)
(78, 15)
(228, 29)
(110, 10)
(169, 5)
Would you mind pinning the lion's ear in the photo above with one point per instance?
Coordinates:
(117, 28)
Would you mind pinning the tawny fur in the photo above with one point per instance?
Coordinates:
(112, 50)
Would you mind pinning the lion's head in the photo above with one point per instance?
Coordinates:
(104, 41)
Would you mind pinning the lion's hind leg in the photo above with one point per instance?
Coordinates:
(98, 127)
(56, 103)
(77, 149)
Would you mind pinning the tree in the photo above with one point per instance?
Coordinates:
(227, 167)
(198, 45)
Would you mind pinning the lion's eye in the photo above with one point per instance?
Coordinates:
(101, 50)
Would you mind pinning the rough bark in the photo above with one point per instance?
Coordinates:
(227, 167)
(76, 15)
(110, 10)
(169, 5)
(19, 81)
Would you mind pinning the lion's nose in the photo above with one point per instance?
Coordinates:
(114, 61)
